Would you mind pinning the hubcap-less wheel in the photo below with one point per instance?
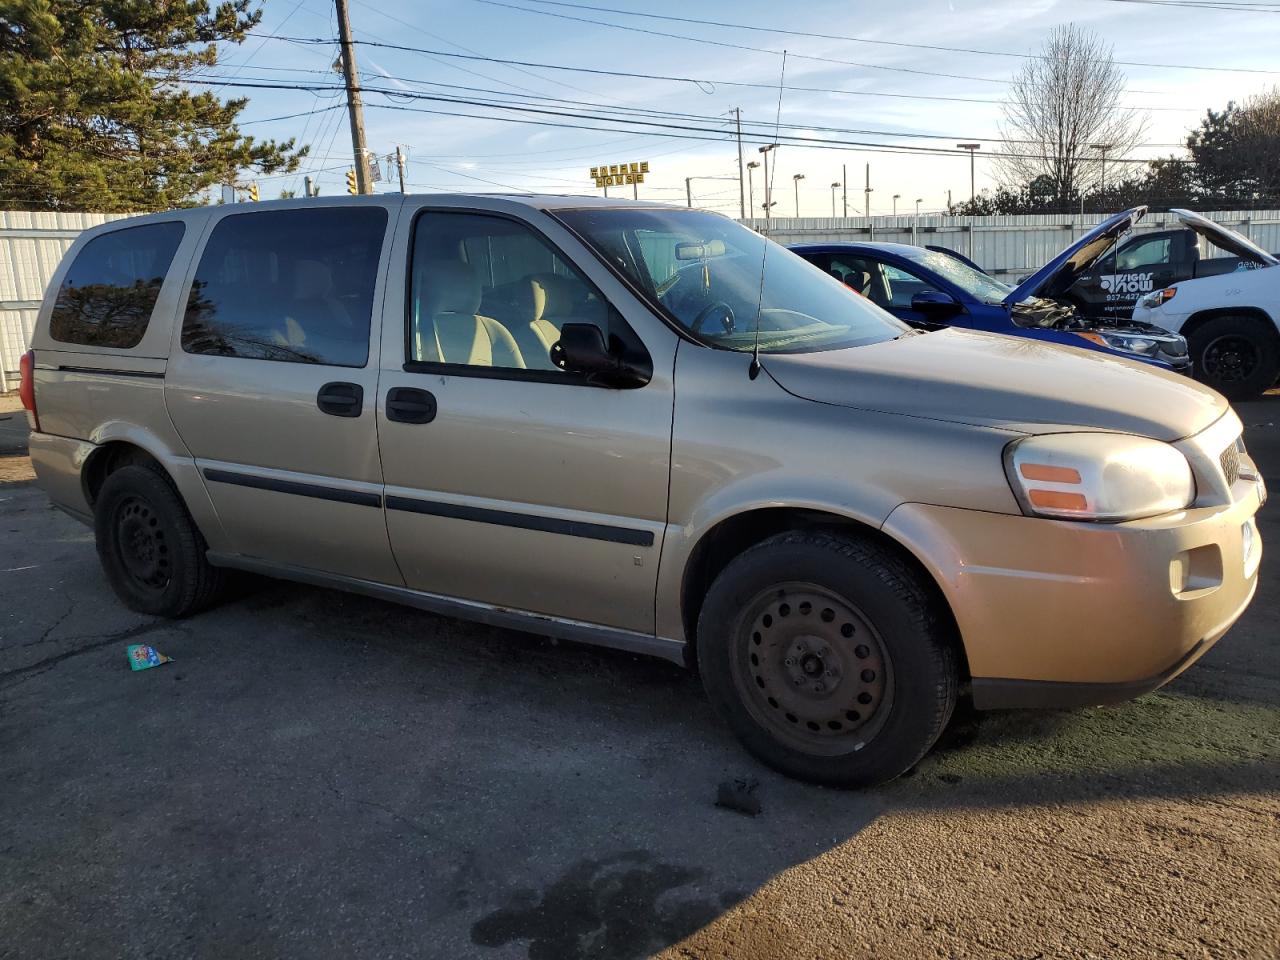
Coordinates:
(812, 669)
(1230, 359)
(141, 543)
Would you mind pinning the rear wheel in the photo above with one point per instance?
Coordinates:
(150, 549)
(828, 657)
(1237, 356)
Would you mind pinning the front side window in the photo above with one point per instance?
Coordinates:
(722, 282)
(110, 290)
(489, 292)
(288, 285)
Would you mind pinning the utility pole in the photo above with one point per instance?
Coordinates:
(688, 190)
(400, 166)
(866, 193)
(308, 187)
(844, 184)
(751, 187)
(742, 200)
(355, 108)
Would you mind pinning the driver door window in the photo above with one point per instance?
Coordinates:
(903, 286)
(488, 292)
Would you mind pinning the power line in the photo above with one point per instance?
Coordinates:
(921, 46)
(702, 84)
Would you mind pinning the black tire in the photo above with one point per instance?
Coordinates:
(150, 549)
(879, 647)
(1236, 355)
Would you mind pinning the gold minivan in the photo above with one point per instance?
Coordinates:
(644, 427)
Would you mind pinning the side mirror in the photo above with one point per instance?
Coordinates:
(934, 303)
(582, 350)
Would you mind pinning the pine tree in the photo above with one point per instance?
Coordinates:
(94, 114)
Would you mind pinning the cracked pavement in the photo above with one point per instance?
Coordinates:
(325, 775)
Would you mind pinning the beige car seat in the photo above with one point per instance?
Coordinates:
(446, 327)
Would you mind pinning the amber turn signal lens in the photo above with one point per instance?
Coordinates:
(1042, 471)
(1057, 500)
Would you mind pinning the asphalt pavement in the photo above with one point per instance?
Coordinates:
(322, 775)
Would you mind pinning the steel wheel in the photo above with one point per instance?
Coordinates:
(141, 544)
(1230, 358)
(810, 667)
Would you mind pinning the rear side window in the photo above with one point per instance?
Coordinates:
(288, 285)
(109, 292)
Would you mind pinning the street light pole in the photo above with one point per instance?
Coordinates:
(833, 198)
(751, 187)
(866, 194)
(973, 149)
(688, 190)
(918, 208)
(768, 192)
(895, 203)
(795, 179)
(742, 203)
(1102, 149)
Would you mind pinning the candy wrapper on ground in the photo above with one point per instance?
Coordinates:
(143, 657)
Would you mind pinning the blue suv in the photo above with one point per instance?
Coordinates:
(934, 287)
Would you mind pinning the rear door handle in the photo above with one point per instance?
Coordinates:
(410, 405)
(340, 399)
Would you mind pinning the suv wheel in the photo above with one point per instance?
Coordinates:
(1237, 356)
(151, 551)
(828, 657)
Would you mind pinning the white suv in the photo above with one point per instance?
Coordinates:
(1229, 320)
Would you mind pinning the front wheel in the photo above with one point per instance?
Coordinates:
(829, 658)
(1237, 356)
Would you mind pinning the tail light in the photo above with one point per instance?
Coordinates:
(27, 388)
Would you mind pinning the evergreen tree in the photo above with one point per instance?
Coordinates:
(94, 114)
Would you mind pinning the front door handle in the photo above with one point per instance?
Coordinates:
(340, 399)
(410, 405)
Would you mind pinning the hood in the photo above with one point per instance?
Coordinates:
(1012, 383)
(1230, 241)
(1056, 277)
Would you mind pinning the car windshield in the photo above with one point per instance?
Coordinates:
(718, 280)
(977, 284)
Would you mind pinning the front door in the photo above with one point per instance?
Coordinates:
(509, 482)
(272, 383)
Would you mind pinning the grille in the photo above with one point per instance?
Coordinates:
(1230, 460)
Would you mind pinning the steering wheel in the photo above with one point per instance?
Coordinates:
(726, 319)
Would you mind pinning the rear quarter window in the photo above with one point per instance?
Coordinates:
(110, 290)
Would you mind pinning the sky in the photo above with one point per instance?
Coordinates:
(885, 92)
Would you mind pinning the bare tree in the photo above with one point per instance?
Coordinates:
(1064, 118)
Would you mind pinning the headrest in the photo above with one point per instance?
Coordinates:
(449, 286)
(311, 279)
(552, 296)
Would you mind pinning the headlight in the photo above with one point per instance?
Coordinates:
(1128, 342)
(1153, 300)
(1098, 476)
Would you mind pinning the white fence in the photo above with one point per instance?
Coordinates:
(31, 244)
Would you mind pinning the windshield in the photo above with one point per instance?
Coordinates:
(977, 284)
(714, 277)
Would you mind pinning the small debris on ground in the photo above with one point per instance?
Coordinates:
(739, 795)
(144, 657)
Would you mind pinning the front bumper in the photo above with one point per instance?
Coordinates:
(1055, 614)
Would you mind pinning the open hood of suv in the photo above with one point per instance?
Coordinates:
(1230, 241)
(1011, 383)
(1055, 277)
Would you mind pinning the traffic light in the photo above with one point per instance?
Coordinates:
(253, 192)
(351, 183)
